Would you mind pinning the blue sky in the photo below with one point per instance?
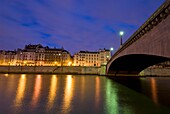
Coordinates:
(74, 24)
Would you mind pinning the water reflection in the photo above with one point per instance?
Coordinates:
(6, 75)
(82, 94)
(111, 99)
(154, 90)
(82, 88)
(68, 94)
(37, 89)
(10, 88)
(52, 92)
(20, 90)
(97, 92)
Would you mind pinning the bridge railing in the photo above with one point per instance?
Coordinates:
(161, 13)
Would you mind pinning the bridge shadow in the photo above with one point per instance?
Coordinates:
(157, 89)
(134, 63)
(132, 82)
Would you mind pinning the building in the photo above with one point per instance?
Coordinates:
(2, 54)
(104, 56)
(36, 55)
(88, 58)
(57, 57)
(8, 57)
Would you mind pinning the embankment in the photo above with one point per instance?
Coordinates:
(50, 69)
(75, 70)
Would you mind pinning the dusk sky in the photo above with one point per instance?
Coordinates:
(74, 24)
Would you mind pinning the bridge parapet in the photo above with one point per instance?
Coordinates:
(160, 14)
(149, 45)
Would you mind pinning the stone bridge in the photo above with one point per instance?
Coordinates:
(149, 45)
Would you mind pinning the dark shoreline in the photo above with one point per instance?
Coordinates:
(46, 73)
(67, 73)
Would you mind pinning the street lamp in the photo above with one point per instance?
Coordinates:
(111, 49)
(121, 34)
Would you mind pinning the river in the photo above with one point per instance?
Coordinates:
(83, 94)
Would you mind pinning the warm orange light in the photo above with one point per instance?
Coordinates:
(6, 75)
(154, 90)
(68, 93)
(52, 92)
(37, 89)
(20, 90)
(69, 63)
(97, 90)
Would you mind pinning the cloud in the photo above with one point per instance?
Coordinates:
(109, 29)
(73, 24)
(45, 35)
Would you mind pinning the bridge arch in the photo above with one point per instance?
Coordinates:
(134, 63)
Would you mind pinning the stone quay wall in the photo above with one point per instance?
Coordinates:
(155, 72)
(76, 70)
(50, 69)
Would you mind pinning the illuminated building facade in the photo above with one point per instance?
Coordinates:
(88, 58)
(57, 57)
(36, 55)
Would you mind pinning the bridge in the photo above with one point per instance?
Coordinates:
(148, 46)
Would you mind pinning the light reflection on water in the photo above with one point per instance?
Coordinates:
(154, 90)
(97, 91)
(52, 92)
(81, 94)
(68, 94)
(20, 91)
(111, 99)
(36, 92)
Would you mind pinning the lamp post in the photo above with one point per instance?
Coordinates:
(121, 34)
(111, 49)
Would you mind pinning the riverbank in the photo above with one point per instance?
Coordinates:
(76, 70)
(50, 70)
(155, 72)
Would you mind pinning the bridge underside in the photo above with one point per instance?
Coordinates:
(133, 64)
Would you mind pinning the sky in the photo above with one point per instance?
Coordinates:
(73, 24)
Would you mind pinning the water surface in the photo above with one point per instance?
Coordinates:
(82, 94)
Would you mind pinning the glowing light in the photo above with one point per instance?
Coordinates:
(97, 91)
(111, 49)
(38, 76)
(37, 89)
(69, 63)
(52, 92)
(23, 76)
(20, 90)
(82, 87)
(68, 94)
(6, 75)
(154, 90)
(121, 33)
